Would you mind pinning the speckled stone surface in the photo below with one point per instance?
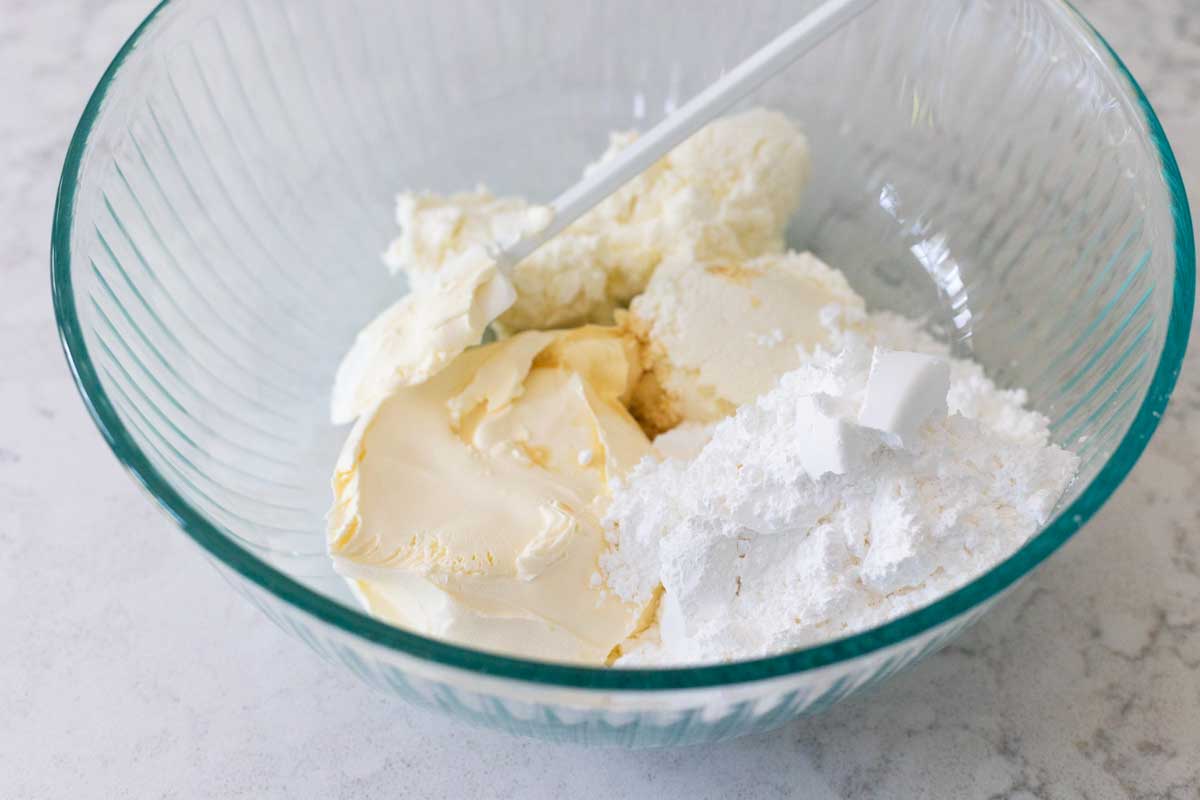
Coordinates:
(129, 669)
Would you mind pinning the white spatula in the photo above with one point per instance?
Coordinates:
(693, 115)
(423, 332)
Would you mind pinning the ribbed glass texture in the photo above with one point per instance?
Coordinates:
(987, 165)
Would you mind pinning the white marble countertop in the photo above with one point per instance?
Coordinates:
(129, 669)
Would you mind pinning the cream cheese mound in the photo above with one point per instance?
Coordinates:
(462, 508)
(724, 194)
(795, 524)
(715, 336)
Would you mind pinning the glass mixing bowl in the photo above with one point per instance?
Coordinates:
(989, 165)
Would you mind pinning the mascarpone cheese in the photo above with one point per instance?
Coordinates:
(726, 193)
(717, 335)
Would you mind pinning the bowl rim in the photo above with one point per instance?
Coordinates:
(358, 624)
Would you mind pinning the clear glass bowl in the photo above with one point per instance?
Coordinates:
(991, 165)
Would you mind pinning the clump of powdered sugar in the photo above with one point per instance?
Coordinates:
(757, 556)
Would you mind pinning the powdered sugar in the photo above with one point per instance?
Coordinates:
(767, 540)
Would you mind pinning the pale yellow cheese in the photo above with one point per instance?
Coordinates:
(465, 508)
(420, 334)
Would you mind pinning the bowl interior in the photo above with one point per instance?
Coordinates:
(979, 164)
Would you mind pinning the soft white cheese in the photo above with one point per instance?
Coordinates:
(717, 335)
(726, 193)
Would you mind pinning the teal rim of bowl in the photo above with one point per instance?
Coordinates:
(360, 625)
